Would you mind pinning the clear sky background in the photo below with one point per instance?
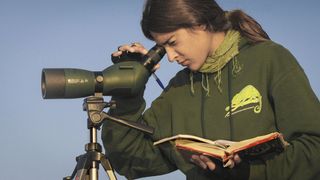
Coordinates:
(39, 139)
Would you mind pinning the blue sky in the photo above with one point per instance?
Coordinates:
(41, 138)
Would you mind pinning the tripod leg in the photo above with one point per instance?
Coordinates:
(72, 176)
(108, 168)
(81, 169)
(94, 171)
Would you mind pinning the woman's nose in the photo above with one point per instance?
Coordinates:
(171, 54)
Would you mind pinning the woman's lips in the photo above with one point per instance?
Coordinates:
(184, 63)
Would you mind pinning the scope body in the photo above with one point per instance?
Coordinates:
(125, 78)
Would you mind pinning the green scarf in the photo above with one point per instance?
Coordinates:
(226, 51)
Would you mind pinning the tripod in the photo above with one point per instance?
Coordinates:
(88, 164)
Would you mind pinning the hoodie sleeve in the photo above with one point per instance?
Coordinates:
(130, 151)
(297, 112)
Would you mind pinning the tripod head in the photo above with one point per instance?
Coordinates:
(94, 106)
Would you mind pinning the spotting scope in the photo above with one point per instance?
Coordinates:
(126, 77)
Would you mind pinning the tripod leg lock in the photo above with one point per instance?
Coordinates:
(93, 147)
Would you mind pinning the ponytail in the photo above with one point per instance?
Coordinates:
(247, 26)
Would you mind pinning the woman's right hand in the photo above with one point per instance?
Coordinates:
(135, 47)
(206, 163)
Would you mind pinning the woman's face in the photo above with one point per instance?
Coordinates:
(189, 47)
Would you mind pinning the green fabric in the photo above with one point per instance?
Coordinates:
(223, 54)
(227, 50)
(288, 105)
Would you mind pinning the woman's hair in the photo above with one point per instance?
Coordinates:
(163, 16)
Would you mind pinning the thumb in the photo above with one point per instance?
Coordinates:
(156, 67)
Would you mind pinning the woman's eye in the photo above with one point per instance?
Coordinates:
(172, 43)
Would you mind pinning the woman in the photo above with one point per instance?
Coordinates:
(237, 84)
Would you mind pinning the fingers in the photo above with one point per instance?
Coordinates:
(230, 164)
(137, 47)
(117, 53)
(206, 163)
(234, 160)
(196, 159)
(203, 161)
(237, 159)
(156, 67)
(133, 48)
(211, 165)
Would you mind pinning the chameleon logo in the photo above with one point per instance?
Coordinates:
(248, 98)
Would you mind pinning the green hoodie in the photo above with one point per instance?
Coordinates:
(270, 93)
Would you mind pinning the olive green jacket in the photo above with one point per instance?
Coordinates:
(270, 93)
